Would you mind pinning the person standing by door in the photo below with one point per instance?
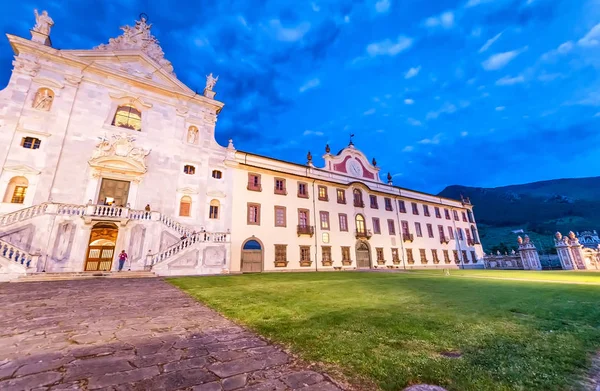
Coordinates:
(122, 259)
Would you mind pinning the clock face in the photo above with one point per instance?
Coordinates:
(354, 168)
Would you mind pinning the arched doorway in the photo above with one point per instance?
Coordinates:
(252, 256)
(101, 248)
(363, 255)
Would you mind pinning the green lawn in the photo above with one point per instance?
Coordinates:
(391, 328)
(565, 276)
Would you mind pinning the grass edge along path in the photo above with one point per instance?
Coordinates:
(395, 327)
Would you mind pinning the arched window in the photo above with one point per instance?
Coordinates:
(43, 99)
(358, 200)
(360, 224)
(190, 170)
(217, 174)
(128, 117)
(214, 209)
(16, 190)
(30, 142)
(185, 206)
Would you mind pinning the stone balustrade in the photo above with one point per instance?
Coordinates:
(15, 254)
(23, 214)
(201, 237)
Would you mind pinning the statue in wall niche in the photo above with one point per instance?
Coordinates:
(211, 82)
(192, 135)
(43, 99)
(43, 22)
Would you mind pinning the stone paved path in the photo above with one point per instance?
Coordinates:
(133, 334)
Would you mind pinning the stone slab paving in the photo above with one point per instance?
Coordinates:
(133, 334)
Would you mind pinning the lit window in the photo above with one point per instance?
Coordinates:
(217, 174)
(190, 170)
(185, 206)
(324, 220)
(128, 117)
(30, 142)
(323, 193)
(341, 196)
(16, 190)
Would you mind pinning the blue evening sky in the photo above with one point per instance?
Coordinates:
(472, 92)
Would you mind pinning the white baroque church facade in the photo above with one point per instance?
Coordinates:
(105, 150)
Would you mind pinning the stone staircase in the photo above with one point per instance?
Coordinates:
(37, 277)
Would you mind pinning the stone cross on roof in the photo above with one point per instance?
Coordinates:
(139, 37)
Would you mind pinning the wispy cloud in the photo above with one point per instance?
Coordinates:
(388, 47)
(369, 112)
(500, 108)
(414, 122)
(592, 38)
(408, 101)
(312, 133)
(562, 49)
(289, 34)
(444, 20)
(315, 7)
(382, 6)
(447, 108)
(408, 148)
(310, 84)
(464, 133)
(473, 3)
(490, 42)
(434, 140)
(412, 72)
(509, 81)
(500, 60)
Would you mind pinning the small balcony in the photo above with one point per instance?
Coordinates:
(444, 240)
(408, 237)
(280, 191)
(359, 204)
(366, 234)
(305, 230)
(470, 242)
(254, 186)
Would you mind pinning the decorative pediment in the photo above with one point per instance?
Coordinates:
(187, 190)
(139, 37)
(216, 194)
(119, 154)
(22, 169)
(350, 161)
(125, 98)
(48, 82)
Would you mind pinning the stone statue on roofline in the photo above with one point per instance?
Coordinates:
(43, 22)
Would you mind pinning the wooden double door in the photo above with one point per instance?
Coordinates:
(101, 248)
(115, 191)
(363, 255)
(252, 257)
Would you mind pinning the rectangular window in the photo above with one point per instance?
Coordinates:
(254, 182)
(430, 230)
(409, 256)
(405, 230)
(455, 213)
(323, 195)
(423, 255)
(280, 255)
(213, 212)
(304, 254)
(253, 214)
(341, 196)
(473, 257)
(280, 218)
(343, 222)
(388, 204)
(434, 254)
(401, 207)
(324, 220)
(464, 216)
(373, 200)
(437, 212)
(447, 214)
(426, 211)
(326, 254)
(415, 208)
(450, 233)
(395, 256)
(455, 253)
(441, 232)
(391, 227)
(30, 142)
(379, 252)
(303, 218)
(302, 190)
(376, 226)
(280, 186)
(345, 253)
(18, 197)
(470, 214)
(418, 230)
(446, 256)
(465, 256)
(459, 231)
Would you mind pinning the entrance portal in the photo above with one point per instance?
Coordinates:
(101, 249)
(363, 255)
(113, 192)
(252, 256)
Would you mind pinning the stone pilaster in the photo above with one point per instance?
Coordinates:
(529, 254)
